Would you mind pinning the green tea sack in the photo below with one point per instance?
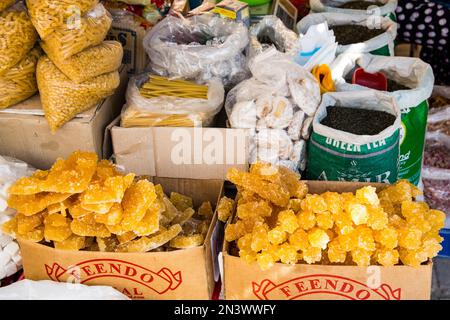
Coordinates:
(370, 156)
(385, 8)
(410, 82)
(356, 33)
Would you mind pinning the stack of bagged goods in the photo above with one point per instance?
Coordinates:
(356, 33)
(10, 258)
(276, 220)
(355, 137)
(199, 48)
(436, 165)
(131, 22)
(368, 7)
(155, 101)
(409, 81)
(277, 105)
(85, 204)
(271, 32)
(80, 68)
(18, 54)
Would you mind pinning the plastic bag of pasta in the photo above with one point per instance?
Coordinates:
(17, 37)
(5, 4)
(19, 82)
(68, 40)
(47, 15)
(62, 99)
(92, 62)
(157, 101)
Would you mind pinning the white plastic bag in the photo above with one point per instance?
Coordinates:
(273, 105)
(387, 8)
(383, 43)
(198, 48)
(50, 290)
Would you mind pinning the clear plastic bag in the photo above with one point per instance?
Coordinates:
(19, 82)
(92, 62)
(68, 40)
(62, 99)
(47, 15)
(198, 48)
(271, 31)
(387, 7)
(5, 4)
(171, 111)
(436, 171)
(17, 37)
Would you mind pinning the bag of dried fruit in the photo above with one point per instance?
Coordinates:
(356, 33)
(378, 7)
(410, 82)
(355, 137)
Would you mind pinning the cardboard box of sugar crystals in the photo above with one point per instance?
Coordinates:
(178, 274)
(323, 282)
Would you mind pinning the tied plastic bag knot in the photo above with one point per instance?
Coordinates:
(198, 48)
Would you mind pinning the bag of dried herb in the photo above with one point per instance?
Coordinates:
(385, 8)
(355, 137)
(410, 82)
(356, 33)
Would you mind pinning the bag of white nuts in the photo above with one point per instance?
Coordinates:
(277, 105)
(10, 258)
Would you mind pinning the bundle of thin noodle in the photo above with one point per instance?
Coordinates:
(19, 82)
(5, 4)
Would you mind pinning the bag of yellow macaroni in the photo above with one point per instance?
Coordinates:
(19, 82)
(154, 101)
(62, 99)
(70, 39)
(17, 37)
(5, 4)
(92, 62)
(48, 15)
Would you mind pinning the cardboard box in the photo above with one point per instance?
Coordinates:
(180, 274)
(25, 134)
(324, 282)
(234, 10)
(174, 152)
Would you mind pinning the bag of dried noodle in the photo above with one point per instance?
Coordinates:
(92, 62)
(62, 99)
(47, 15)
(17, 37)
(19, 82)
(68, 40)
(5, 4)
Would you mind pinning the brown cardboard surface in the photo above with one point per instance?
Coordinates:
(180, 274)
(329, 282)
(151, 151)
(25, 134)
